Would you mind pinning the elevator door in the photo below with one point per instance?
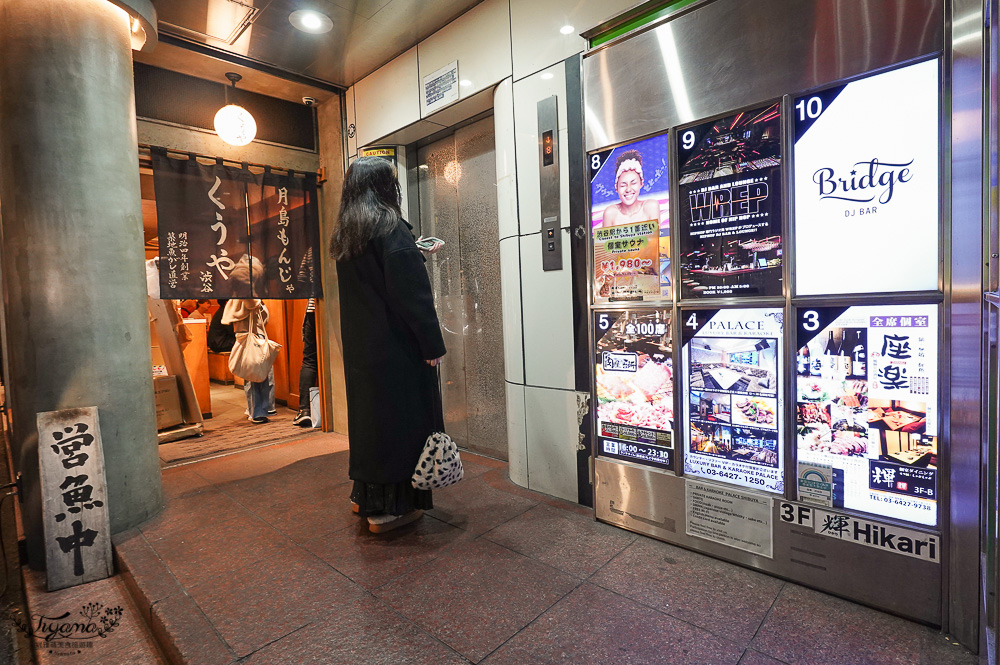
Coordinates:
(458, 203)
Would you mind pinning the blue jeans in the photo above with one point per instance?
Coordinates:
(260, 396)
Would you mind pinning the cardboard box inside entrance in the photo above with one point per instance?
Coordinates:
(168, 401)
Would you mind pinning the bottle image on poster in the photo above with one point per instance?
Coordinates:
(629, 210)
(732, 363)
(729, 185)
(633, 370)
(866, 182)
(871, 413)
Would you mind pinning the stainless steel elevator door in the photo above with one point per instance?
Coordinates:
(458, 203)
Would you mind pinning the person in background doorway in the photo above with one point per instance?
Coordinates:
(201, 311)
(187, 307)
(309, 373)
(259, 394)
(392, 346)
(221, 337)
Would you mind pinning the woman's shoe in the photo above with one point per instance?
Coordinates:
(383, 523)
(258, 421)
(355, 508)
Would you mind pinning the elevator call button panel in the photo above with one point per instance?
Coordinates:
(548, 176)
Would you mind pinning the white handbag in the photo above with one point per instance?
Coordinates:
(439, 464)
(253, 353)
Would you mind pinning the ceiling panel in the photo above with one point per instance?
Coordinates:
(366, 33)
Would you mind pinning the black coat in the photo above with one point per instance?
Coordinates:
(389, 328)
(221, 337)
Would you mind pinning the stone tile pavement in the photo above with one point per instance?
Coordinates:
(258, 559)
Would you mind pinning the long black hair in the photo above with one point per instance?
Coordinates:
(369, 206)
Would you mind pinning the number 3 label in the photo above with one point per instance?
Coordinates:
(810, 320)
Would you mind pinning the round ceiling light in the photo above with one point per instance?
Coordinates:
(566, 29)
(235, 125)
(310, 21)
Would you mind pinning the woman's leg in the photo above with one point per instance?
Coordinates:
(271, 410)
(257, 396)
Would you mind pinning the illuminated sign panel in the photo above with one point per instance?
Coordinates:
(634, 378)
(733, 400)
(867, 407)
(729, 184)
(866, 184)
(630, 219)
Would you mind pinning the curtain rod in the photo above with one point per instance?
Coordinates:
(320, 175)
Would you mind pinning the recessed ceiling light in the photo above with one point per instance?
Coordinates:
(547, 75)
(465, 83)
(567, 29)
(308, 20)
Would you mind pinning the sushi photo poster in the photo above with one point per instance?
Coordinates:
(731, 368)
(866, 406)
(630, 221)
(633, 371)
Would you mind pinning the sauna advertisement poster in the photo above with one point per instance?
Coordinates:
(630, 221)
(633, 371)
(866, 406)
(733, 397)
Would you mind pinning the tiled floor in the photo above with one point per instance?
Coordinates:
(228, 429)
(258, 559)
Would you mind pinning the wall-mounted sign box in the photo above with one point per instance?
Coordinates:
(866, 184)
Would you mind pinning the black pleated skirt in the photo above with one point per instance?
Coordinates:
(398, 499)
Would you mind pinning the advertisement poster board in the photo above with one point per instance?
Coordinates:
(633, 371)
(729, 182)
(630, 218)
(866, 406)
(733, 400)
(866, 184)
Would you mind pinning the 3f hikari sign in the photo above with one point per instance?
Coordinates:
(74, 498)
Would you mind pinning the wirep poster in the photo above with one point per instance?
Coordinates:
(866, 184)
(729, 178)
(629, 212)
(732, 421)
(867, 406)
(633, 372)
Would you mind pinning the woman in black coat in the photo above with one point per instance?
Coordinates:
(392, 345)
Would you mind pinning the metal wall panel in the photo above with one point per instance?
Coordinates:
(652, 502)
(486, 395)
(457, 191)
(439, 217)
(726, 55)
(964, 317)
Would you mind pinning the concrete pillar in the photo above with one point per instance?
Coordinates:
(71, 250)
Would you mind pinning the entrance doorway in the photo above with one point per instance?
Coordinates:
(205, 379)
(458, 203)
